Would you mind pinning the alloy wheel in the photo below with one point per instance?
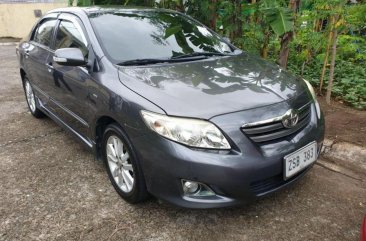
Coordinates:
(120, 164)
(30, 96)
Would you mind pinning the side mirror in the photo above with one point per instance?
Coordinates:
(69, 57)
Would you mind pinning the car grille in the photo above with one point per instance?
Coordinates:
(271, 130)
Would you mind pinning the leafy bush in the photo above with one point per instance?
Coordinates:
(350, 83)
(352, 48)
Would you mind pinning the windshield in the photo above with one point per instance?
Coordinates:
(127, 36)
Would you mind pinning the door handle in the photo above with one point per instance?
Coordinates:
(49, 67)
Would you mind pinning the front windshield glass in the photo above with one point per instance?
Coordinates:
(127, 36)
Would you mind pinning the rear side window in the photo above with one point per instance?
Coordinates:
(43, 34)
(70, 36)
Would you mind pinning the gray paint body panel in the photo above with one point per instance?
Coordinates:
(213, 86)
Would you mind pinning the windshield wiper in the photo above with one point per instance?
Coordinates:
(143, 61)
(168, 60)
(198, 54)
(179, 58)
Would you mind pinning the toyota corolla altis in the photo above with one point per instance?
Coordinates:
(172, 108)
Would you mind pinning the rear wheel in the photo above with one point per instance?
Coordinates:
(123, 168)
(31, 100)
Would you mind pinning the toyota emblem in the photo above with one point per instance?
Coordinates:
(290, 118)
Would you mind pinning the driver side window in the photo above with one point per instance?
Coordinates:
(70, 36)
(43, 34)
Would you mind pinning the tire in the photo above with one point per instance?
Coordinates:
(31, 99)
(122, 165)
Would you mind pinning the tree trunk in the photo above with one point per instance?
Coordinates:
(284, 51)
(287, 38)
(332, 64)
(252, 15)
(213, 8)
(264, 49)
(325, 63)
(236, 32)
(308, 57)
(292, 5)
(318, 25)
(238, 21)
(303, 68)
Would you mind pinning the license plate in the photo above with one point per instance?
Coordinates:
(300, 159)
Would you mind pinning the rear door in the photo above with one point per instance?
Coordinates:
(36, 55)
(69, 87)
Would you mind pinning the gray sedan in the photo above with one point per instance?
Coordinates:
(173, 109)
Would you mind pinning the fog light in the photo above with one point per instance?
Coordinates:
(190, 187)
(196, 189)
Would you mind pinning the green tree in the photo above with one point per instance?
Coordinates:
(313, 38)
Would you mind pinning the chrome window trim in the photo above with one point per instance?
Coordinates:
(73, 20)
(34, 33)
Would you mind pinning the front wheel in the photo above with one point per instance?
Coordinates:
(123, 168)
(31, 100)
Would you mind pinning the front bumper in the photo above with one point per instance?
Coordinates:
(250, 170)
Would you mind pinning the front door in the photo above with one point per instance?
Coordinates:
(70, 92)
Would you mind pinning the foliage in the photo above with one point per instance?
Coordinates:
(356, 17)
(303, 27)
(350, 79)
(278, 17)
(351, 83)
(352, 48)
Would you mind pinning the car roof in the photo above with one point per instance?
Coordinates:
(105, 9)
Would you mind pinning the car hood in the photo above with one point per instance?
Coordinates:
(213, 86)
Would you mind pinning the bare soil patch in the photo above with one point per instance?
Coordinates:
(343, 123)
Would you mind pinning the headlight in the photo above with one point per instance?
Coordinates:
(191, 132)
(317, 106)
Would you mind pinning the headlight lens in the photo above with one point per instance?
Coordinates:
(191, 132)
(311, 89)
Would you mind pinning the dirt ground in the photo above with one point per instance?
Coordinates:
(344, 123)
(53, 189)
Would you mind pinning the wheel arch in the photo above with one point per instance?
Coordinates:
(100, 125)
(22, 74)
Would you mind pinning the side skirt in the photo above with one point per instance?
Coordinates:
(88, 143)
